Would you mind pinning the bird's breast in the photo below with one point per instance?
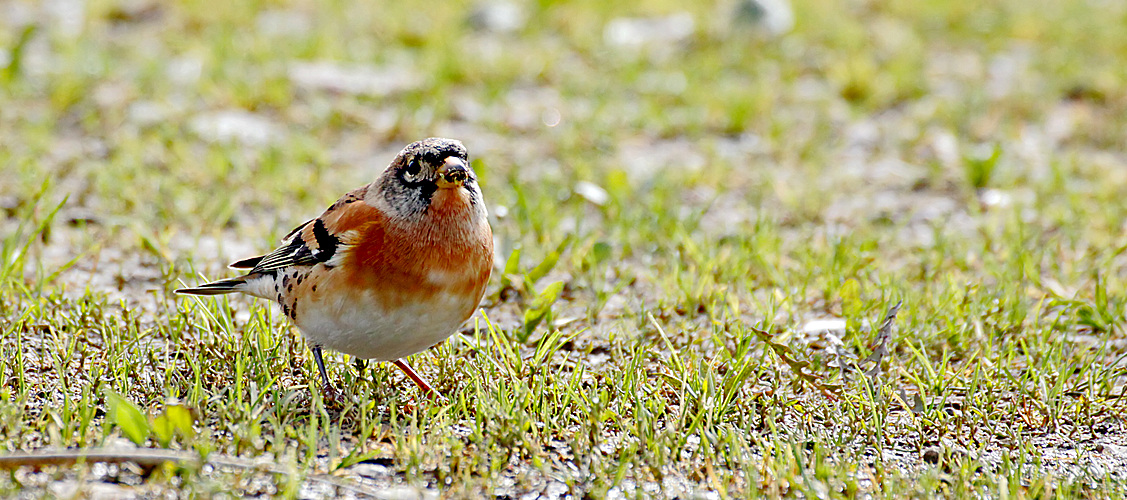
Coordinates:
(447, 251)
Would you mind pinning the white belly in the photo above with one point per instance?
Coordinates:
(362, 329)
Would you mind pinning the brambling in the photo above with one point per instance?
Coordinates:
(388, 270)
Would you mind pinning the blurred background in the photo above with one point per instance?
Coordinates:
(181, 129)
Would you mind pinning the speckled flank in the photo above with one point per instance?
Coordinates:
(285, 282)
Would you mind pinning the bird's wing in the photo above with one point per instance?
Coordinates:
(252, 262)
(319, 241)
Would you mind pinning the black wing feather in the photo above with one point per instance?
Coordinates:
(255, 262)
(296, 252)
(246, 263)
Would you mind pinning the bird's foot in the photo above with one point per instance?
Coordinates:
(332, 396)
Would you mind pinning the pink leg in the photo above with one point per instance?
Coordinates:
(417, 379)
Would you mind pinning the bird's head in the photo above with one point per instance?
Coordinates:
(422, 169)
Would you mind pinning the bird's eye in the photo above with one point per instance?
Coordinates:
(412, 170)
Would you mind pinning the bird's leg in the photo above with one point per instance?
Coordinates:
(417, 379)
(325, 385)
(329, 392)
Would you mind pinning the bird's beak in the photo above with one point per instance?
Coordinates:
(453, 173)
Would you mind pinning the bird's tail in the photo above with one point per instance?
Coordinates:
(217, 287)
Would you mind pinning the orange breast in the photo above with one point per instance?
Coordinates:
(445, 252)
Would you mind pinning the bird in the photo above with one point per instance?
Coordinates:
(388, 270)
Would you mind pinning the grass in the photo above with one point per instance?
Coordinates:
(655, 340)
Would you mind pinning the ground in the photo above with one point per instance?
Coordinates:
(703, 215)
